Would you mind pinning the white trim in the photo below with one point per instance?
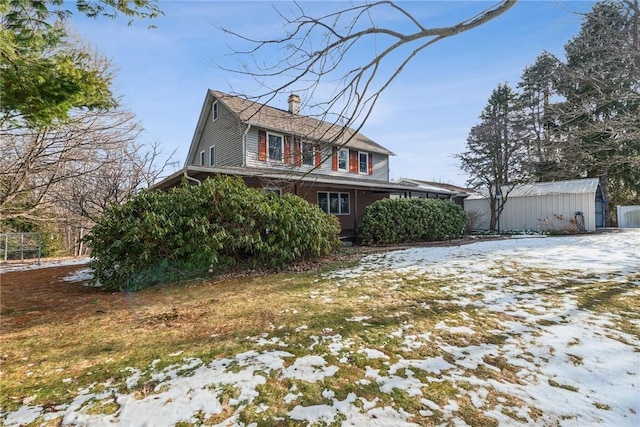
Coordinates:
(312, 159)
(281, 146)
(366, 164)
(272, 189)
(202, 158)
(212, 155)
(328, 196)
(346, 152)
(215, 111)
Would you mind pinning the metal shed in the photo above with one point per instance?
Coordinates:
(561, 205)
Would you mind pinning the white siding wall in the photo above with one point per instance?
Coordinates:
(552, 212)
(479, 211)
(225, 134)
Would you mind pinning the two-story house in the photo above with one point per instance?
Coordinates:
(340, 170)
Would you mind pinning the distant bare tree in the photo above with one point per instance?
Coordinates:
(34, 163)
(123, 172)
(316, 51)
(80, 201)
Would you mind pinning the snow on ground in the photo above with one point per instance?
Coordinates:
(574, 367)
(45, 263)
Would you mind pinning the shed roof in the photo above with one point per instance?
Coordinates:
(272, 118)
(574, 186)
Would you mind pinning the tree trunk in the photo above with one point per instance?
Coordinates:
(604, 187)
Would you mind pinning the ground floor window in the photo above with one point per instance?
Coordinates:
(271, 189)
(334, 203)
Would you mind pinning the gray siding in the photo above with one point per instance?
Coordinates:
(548, 212)
(380, 162)
(225, 133)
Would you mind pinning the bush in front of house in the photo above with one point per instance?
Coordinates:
(390, 221)
(193, 231)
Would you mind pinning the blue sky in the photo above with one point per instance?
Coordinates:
(424, 117)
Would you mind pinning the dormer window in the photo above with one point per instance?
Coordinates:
(214, 111)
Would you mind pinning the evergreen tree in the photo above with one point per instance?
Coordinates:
(537, 126)
(44, 75)
(494, 155)
(600, 114)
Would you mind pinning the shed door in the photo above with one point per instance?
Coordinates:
(599, 209)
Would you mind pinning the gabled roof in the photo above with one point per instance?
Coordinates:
(574, 186)
(271, 118)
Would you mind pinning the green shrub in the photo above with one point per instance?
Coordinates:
(390, 221)
(190, 231)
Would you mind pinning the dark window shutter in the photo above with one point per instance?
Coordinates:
(353, 161)
(287, 149)
(334, 159)
(370, 164)
(318, 156)
(297, 151)
(262, 145)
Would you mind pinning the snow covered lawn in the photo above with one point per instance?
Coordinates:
(538, 331)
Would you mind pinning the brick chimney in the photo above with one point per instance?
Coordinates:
(294, 103)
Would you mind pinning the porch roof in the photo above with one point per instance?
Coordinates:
(290, 177)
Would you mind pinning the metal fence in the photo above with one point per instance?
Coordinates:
(628, 216)
(20, 246)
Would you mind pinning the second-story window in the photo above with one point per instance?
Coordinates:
(274, 146)
(202, 158)
(212, 155)
(343, 160)
(214, 111)
(308, 154)
(363, 162)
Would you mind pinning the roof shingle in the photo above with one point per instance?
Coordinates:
(307, 127)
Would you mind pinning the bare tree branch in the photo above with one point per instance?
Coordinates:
(318, 50)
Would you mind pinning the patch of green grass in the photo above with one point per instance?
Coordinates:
(473, 416)
(554, 383)
(577, 360)
(508, 372)
(513, 415)
(106, 406)
(40, 422)
(440, 392)
(603, 406)
(221, 318)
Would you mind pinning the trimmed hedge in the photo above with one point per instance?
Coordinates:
(390, 221)
(195, 230)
